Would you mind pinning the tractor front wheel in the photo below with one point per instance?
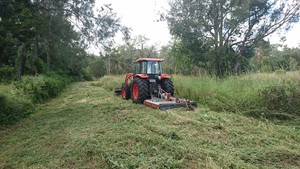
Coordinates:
(139, 90)
(125, 91)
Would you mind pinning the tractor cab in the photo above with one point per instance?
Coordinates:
(149, 66)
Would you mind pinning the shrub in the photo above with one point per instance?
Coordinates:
(97, 67)
(43, 87)
(13, 108)
(283, 97)
(85, 74)
(7, 73)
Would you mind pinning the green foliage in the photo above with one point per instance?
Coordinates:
(221, 34)
(268, 58)
(250, 94)
(190, 55)
(7, 73)
(97, 67)
(85, 74)
(43, 87)
(56, 34)
(13, 108)
(283, 97)
(293, 64)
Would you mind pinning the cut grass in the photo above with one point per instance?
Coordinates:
(88, 127)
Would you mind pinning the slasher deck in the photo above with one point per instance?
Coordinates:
(165, 105)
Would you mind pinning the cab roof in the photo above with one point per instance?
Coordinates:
(149, 59)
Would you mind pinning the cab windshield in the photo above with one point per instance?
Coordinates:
(153, 68)
(149, 67)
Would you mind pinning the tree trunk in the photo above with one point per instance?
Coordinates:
(239, 59)
(48, 47)
(48, 51)
(36, 53)
(22, 61)
(218, 68)
(238, 62)
(109, 65)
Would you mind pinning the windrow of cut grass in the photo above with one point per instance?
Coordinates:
(265, 95)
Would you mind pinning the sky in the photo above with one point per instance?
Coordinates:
(141, 16)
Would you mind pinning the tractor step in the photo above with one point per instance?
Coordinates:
(163, 104)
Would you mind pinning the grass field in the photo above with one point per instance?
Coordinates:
(88, 127)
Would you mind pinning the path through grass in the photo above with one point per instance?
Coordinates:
(88, 127)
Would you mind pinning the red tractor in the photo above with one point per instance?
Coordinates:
(150, 86)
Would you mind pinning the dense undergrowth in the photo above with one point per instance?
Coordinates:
(13, 107)
(17, 99)
(261, 95)
(43, 87)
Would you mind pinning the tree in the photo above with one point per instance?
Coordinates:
(229, 27)
(53, 33)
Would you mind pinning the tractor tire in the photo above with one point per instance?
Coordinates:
(125, 91)
(139, 90)
(167, 86)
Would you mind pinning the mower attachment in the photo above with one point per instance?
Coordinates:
(169, 103)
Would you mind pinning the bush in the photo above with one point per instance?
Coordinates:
(7, 73)
(13, 108)
(284, 97)
(97, 67)
(86, 75)
(43, 87)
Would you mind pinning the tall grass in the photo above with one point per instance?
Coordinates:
(109, 83)
(268, 95)
(252, 93)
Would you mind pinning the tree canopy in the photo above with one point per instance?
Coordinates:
(223, 32)
(43, 35)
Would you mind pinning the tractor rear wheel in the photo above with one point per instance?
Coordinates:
(125, 91)
(139, 90)
(167, 86)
